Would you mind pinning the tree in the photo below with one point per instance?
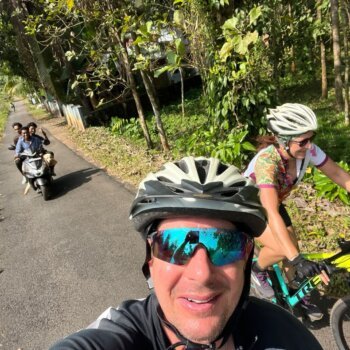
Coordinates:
(324, 82)
(338, 84)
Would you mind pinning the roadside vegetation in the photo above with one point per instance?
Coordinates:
(319, 214)
(4, 110)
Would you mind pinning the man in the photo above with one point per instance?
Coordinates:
(17, 128)
(26, 142)
(48, 155)
(32, 130)
(198, 218)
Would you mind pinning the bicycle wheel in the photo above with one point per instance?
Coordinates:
(340, 322)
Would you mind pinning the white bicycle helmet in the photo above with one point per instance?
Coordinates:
(200, 187)
(291, 120)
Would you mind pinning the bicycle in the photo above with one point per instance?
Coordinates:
(331, 262)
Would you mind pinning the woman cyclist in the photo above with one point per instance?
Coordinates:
(277, 168)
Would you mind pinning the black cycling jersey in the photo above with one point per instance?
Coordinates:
(135, 325)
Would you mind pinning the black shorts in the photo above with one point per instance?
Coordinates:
(285, 216)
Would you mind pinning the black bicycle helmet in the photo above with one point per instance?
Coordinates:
(198, 187)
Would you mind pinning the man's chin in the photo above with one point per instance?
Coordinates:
(201, 331)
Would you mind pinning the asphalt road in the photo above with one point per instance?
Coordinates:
(66, 260)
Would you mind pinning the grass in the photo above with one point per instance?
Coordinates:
(4, 111)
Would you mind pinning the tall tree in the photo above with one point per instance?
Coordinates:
(324, 82)
(338, 83)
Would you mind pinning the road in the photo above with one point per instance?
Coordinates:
(66, 260)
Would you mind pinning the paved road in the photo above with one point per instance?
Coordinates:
(68, 259)
(65, 260)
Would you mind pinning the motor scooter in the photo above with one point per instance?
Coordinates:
(36, 169)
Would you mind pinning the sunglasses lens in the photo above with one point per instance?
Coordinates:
(177, 245)
(303, 143)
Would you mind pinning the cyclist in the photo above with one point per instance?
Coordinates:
(197, 217)
(277, 168)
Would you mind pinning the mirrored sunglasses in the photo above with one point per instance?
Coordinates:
(304, 142)
(177, 245)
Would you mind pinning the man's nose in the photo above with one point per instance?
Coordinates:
(199, 267)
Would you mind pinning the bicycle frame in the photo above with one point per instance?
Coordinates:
(333, 262)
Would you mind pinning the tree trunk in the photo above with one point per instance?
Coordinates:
(346, 61)
(152, 95)
(132, 85)
(324, 83)
(43, 74)
(182, 92)
(293, 66)
(338, 84)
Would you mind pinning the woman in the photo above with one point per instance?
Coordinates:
(277, 168)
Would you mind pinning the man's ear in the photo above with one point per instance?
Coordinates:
(149, 254)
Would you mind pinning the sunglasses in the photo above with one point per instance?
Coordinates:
(177, 245)
(304, 142)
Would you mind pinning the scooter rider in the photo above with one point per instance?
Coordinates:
(26, 142)
(201, 287)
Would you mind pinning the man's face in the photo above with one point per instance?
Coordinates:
(32, 130)
(25, 135)
(197, 298)
(17, 129)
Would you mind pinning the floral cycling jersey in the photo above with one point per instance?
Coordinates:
(270, 169)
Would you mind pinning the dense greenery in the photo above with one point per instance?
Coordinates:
(4, 110)
(116, 54)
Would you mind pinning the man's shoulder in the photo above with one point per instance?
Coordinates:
(38, 137)
(131, 326)
(274, 326)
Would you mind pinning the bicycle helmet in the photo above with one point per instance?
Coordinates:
(198, 187)
(291, 120)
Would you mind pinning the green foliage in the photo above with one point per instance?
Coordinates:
(232, 148)
(128, 127)
(4, 110)
(328, 189)
(238, 86)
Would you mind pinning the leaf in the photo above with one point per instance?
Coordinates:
(226, 50)
(254, 14)
(179, 17)
(160, 71)
(248, 146)
(180, 47)
(231, 24)
(171, 57)
(149, 25)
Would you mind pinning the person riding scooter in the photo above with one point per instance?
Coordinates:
(26, 142)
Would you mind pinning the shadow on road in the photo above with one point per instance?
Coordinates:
(71, 181)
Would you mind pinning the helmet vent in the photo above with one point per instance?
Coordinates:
(202, 171)
(182, 165)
